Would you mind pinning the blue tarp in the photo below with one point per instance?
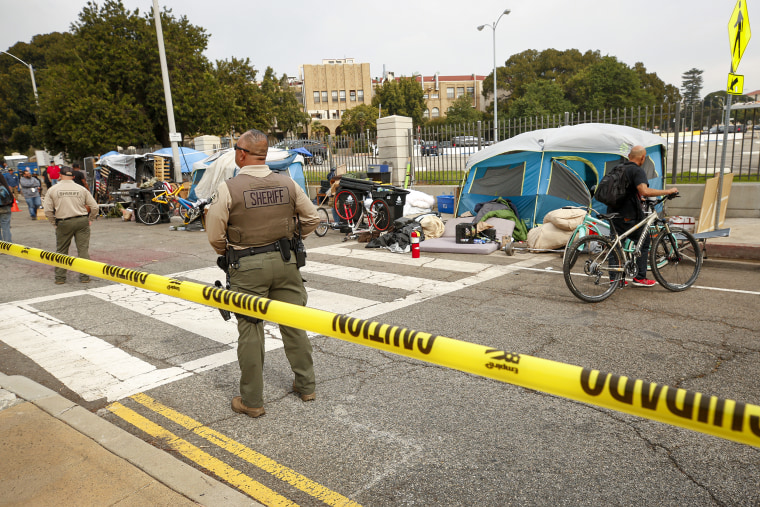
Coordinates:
(187, 156)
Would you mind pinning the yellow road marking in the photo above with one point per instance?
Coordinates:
(241, 451)
(254, 489)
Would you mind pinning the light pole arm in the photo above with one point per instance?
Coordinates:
(31, 71)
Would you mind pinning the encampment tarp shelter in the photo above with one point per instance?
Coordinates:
(187, 156)
(125, 164)
(212, 171)
(544, 170)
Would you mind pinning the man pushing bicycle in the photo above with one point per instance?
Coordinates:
(630, 210)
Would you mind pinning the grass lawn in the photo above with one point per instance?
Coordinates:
(701, 178)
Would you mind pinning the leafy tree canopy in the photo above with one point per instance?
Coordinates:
(359, 119)
(461, 111)
(586, 80)
(100, 85)
(403, 97)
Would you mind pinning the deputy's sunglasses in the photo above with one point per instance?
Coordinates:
(242, 149)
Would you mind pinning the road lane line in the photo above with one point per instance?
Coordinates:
(235, 477)
(257, 459)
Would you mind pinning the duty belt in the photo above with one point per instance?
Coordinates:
(235, 255)
(69, 218)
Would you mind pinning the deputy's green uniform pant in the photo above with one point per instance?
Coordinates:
(77, 228)
(267, 275)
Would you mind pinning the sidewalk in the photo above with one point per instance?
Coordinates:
(54, 452)
(743, 242)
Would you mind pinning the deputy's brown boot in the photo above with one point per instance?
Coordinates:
(304, 397)
(239, 407)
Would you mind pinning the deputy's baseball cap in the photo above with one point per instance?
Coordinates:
(67, 171)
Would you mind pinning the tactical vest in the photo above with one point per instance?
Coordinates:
(262, 210)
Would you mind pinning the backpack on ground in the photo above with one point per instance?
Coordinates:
(6, 198)
(613, 188)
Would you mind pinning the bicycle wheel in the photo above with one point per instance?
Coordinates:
(189, 214)
(347, 205)
(380, 215)
(592, 268)
(149, 214)
(675, 259)
(324, 222)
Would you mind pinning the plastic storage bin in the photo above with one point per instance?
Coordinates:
(446, 203)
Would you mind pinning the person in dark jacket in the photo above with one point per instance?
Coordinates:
(631, 211)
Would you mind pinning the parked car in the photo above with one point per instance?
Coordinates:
(318, 149)
(719, 129)
(429, 148)
(458, 141)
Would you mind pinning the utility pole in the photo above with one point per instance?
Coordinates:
(174, 136)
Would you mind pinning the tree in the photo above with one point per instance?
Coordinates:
(359, 119)
(607, 84)
(403, 97)
(691, 85)
(282, 111)
(461, 111)
(656, 87)
(540, 99)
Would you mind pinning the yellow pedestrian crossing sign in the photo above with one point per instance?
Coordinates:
(738, 33)
(735, 84)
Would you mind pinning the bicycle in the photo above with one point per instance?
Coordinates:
(591, 226)
(350, 205)
(150, 214)
(596, 265)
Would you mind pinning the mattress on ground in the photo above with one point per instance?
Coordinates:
(449, 245)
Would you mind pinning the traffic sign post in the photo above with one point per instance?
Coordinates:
(739, 34)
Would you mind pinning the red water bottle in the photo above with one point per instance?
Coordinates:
(415, 245)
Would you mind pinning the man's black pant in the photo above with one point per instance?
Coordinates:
(623, 225)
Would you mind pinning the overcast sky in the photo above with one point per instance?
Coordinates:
(406, 36)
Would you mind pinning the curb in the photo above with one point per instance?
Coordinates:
(173, 473)
(735, 251)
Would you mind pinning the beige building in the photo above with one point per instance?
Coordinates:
(442, 91)
(333, 87)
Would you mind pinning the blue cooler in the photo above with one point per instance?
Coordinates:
(446, 204)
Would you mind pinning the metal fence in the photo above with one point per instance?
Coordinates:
(694, 138)
(694, 134)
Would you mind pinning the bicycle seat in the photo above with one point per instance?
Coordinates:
(608, 216)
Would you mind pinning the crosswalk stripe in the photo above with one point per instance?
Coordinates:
(94, 369)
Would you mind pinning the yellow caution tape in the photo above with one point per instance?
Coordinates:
(715, 416)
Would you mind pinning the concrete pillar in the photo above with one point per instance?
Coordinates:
(393, 145)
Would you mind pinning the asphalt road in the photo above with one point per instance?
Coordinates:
(388, 430)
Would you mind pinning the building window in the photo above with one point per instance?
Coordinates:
(343, 95)
(335, 115)
(353, 95)
(460, 91)
(434, 96)
(324, 96)
(436, 113)
(471, 91)
(426, 114)
(449, 93)
(316, 97)
(425, 96)
(335, 95)
(360, 95)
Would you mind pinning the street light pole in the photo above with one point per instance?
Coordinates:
(173, 135)
(495, 101)
(31, 71)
